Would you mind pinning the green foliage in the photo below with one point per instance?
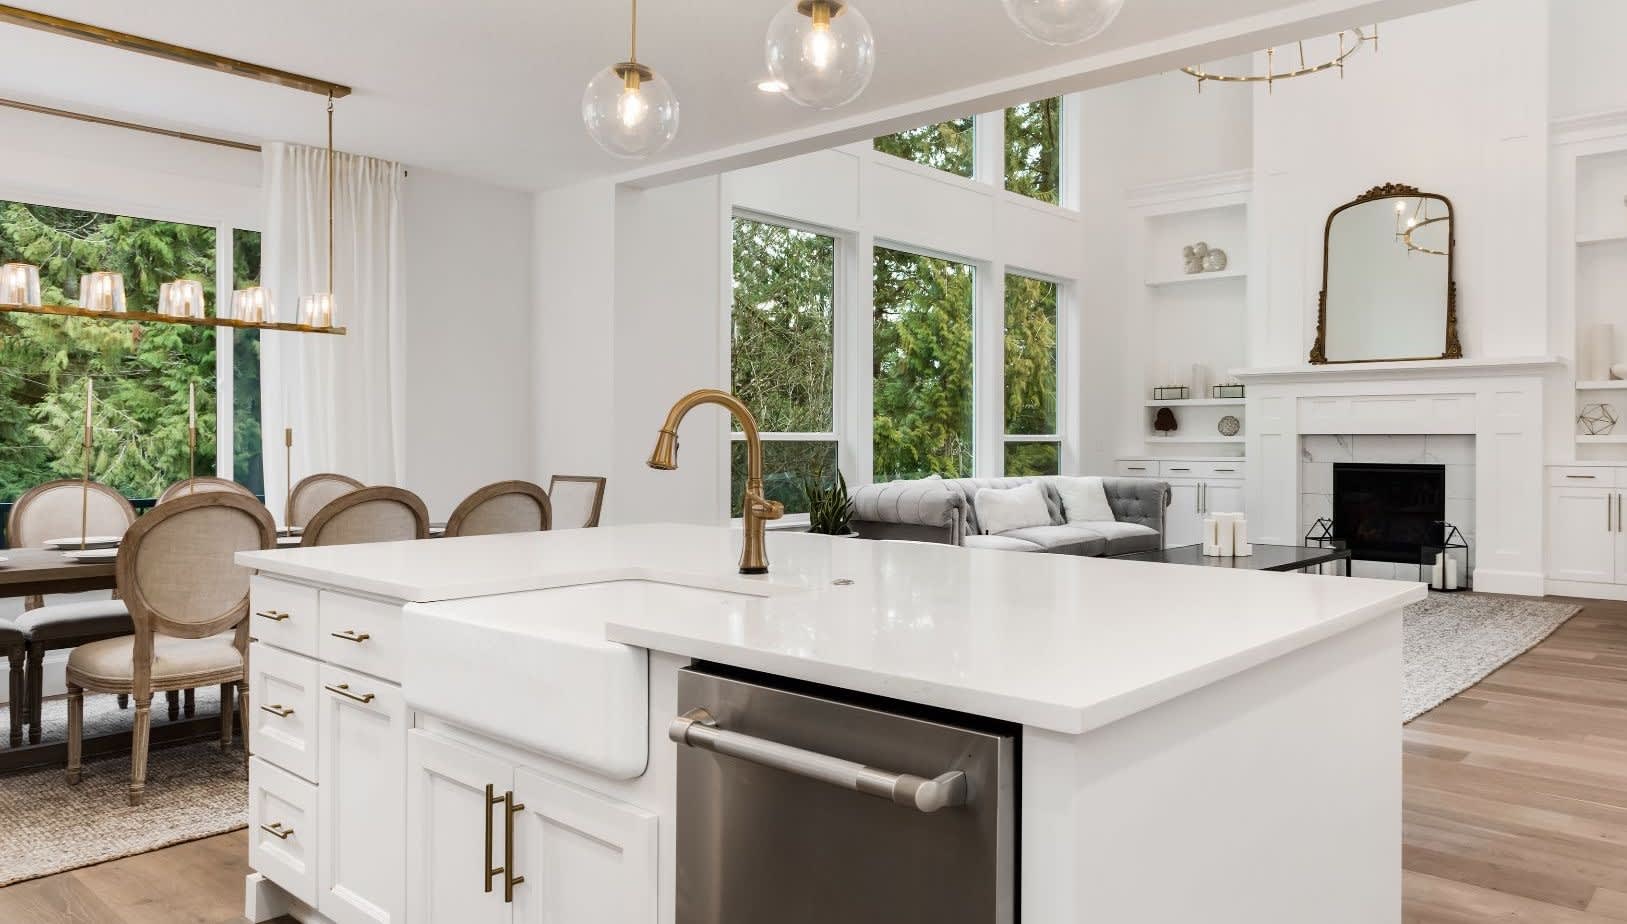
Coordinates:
(141, 372)
(1034, 149)
(1030, 351)
(922, 366)
(947, 146)
(829, 508)
(1033, 459)
(782, 349)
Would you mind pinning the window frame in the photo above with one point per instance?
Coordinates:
(1059, 434)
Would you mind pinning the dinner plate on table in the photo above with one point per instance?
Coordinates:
(91, 542)
(3, 561)
(90, 556)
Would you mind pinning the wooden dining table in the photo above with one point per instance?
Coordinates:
(32, 572)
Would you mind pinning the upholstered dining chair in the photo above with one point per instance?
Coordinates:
(200, 485)
(377, 514)
(189, 606)
(52, 511)
(504, 507)
(577, 500)
(312, 493)
(14, 644)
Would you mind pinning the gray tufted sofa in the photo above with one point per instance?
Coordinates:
(945, 510)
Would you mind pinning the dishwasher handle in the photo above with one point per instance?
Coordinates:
(697, 728)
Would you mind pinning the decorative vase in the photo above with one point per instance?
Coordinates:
(1599, 355)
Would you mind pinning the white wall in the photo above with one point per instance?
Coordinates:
(468, 336)
(1586, 56)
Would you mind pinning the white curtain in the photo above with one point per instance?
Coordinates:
(343, 396)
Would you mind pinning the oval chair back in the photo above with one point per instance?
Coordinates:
(504, 507)
(577, 500)
(313, 492)
(201, 485)
(52, 511)
(377, 514)
(176, 570)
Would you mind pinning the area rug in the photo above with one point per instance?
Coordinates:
(1450, 642)
(47, 826)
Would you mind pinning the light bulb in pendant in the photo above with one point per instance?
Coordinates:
(630, 110)
(822, 51)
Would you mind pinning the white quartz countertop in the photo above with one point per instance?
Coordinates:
(1053, 641)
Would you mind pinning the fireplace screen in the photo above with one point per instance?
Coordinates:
(1388, 512)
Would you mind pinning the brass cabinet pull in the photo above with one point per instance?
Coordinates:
(491, 800)
(351, 635)
(273, 615)
(510, 809)
(277, 709)
(343, 689)
(278, 831)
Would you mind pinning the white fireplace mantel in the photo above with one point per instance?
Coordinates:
(1411, 369)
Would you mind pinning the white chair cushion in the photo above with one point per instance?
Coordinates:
(173, 658)
(67, 622)
(1084, 500)
(1003, 509)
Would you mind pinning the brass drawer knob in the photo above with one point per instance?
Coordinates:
(278, 710)
(351, 635)
(278, 831)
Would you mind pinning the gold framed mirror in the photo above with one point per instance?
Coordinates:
(1389, 293)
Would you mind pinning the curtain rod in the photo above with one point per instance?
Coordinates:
(180, 54)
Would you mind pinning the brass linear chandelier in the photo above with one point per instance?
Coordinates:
(180, 301)
(1303, 69)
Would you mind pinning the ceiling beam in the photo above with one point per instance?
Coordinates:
(110, 38)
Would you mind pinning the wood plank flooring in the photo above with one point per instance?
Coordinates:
(1515, 809)
(1516, 789)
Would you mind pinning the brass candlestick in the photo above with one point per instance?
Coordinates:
(84, 480)
(287, 474)
(191, 436)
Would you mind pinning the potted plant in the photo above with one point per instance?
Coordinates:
(829, 509)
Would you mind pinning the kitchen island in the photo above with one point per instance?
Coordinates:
(1192, 744)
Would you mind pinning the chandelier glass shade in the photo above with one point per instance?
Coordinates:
(102, 292)
(253, 304)
(630, 110)
(182, 298)
(316, 310)
(1063, 22)
(19, 284)
(822, 51)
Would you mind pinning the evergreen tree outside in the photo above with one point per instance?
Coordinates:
(922, 366)
(946, 146)
(1034, 150)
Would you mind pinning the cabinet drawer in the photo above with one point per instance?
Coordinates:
(361, 634)
(282, 829)
(1138, 468)
(283, 614)
(283, 720)
(1581, 476)
(1180, 468)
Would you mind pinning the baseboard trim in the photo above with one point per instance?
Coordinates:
(1586, 589)
(1517, 583)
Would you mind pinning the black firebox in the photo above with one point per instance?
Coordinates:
(1388, 512)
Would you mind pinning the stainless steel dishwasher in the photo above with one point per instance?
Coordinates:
(804, 806)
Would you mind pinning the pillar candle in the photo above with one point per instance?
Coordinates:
(1437, 574)
(1211, 537)
(1226, 538)
(1451, 573)
(1240, 544)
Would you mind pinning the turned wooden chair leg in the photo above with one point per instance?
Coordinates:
(138, 748)
(243, 714)
(189, 702)
(19, 701)
(36, 689)
(225, 717)
(173, 697)
(76, 728)
(124, 701)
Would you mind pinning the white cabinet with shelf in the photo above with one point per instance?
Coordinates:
(1197, 488)
(1590, 266)
(1586, 532)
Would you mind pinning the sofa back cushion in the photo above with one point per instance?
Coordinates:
(1000, 510)
(1084, 500)
(968, 488)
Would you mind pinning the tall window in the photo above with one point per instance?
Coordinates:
(1034, 150)
(1032, 446)
(141, 372)
(922, 367)
(782, 355)
(945, 146)
(247, 467)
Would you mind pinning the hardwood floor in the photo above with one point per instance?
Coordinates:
(1516, 789)
(1515, 809)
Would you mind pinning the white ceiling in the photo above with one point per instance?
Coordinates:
(492, 88)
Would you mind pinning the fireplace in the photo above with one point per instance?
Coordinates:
(1388, 512)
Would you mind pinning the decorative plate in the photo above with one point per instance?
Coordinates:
(1229, 426)
(91, 542)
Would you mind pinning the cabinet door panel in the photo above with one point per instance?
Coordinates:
(363, 766)
(447, 816)
(1223, 497)
(1182, 524)
(1581, 534)
(585, 857)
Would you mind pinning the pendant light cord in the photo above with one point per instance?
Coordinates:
(632, 56)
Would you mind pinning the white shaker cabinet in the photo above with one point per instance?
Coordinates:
(363, 724)
(584, 857)
(455, 833)
(1197, 488)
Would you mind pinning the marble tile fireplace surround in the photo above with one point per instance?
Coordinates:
(1482, 420)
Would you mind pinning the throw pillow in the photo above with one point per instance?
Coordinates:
(1001, 510)
(1084, 500)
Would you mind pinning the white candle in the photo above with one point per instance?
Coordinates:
(1451, 573)
(1437, 575)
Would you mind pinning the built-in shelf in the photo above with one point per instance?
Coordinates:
(1208, 402)
(1189, 278)
(1217, 438)
(1606, 438)
(1585, 239)
(1610, 385)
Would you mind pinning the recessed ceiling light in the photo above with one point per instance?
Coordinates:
(771, 86)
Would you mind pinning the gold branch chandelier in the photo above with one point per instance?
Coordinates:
(1301, 66)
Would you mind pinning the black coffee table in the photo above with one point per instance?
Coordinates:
(1265, 557)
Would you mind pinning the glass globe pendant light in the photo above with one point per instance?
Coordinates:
(629, 110)
(822, 51)
(1063, 22)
